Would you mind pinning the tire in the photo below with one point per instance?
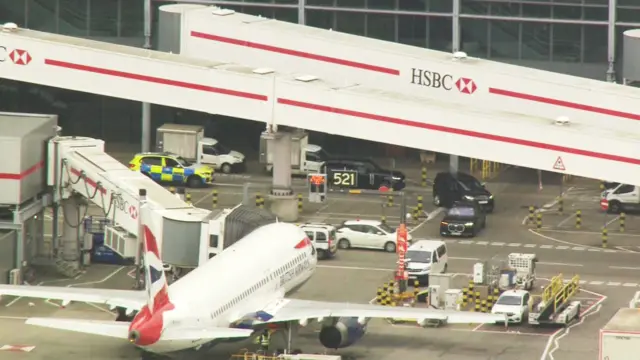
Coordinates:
(390, 247)
(436, 200)
(614, 207)
(194, 181)
(322, 254)
(344, 244)
(225, 168)
(484, 224)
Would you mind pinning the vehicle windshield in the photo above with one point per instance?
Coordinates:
(221, 149)
(322, 154)
(386, 228)
(461, 211)
(418, 256)
(182, 161)
(509, 300)
(470, 183)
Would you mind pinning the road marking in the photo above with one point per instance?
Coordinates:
(540, 246)
(482, 243)
(612, 221)
(624, 268)
(497, 244)
(613, 283)
(587, 232)
(546, 246)
(630, 285)
(514, 244)
(596, 282)
(559, 264)
(530, 245)
(562, 241)
(564, 247)
(566, 219)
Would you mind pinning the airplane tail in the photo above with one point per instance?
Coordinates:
(156, 283)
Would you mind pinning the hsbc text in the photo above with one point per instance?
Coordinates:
(431, 79)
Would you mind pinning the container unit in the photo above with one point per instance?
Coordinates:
(23, 143)
(180, 139)
(620, 338)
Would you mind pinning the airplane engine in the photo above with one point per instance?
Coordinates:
(342, 333)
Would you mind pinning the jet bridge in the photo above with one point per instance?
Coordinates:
(594, 148)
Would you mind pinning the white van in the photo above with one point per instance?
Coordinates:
(426, 257)
(323, 237)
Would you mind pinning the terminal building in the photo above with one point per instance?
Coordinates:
(575, 37)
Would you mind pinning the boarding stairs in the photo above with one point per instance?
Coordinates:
(553, 306)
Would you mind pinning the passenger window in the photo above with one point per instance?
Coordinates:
(213, 241)
(312, 157)
(321, 237)
(209, 150)
(525, 299)
(441, 251)
(152, 161)
(171, 163)
(310, 234)
(434, 259)
(358, 228)
(625, 189)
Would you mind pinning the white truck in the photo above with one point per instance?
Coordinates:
(622, 198)
(305, 158)
(189, 142)
(620, 338)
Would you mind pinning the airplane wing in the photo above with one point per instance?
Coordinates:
(130, 299)
(120, 330)
(294, 310)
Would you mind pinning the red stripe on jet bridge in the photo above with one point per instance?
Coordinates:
(87, 181)
(153, 79)
(567, 104)
(296, 53)
(450, 130)
(23, 174)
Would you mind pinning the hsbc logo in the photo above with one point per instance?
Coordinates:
(16, 56)
(436, 80)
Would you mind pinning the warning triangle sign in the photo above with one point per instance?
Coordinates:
(559, 164)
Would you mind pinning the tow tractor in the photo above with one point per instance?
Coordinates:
(553, 306)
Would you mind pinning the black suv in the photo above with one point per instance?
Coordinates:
(465, 218)
(451, 187)
(361, 174)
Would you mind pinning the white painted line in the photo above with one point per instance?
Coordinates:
(482, 243)
(463, 258)
(613, 283)
(514, 244)
(498, 244)
(578, 248)
(624, 268)
(582, 282)
(559, 264)
(630, 284)
(546, 246)
(596, 282)
(566, 219)
(530, 245)
(594, 249)
(465, 242)
(564, 247)
(612, 220)
(562, 241)
(588, 232)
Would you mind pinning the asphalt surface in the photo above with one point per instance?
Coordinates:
(608, 275)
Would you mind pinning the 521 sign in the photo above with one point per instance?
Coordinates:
(431, 79)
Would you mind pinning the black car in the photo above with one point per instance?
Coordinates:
(465, 218)
(451, 187)
(361, 174)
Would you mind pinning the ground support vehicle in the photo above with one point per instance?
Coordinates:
(554, 305)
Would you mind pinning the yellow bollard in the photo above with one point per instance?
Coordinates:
(538, 221)
(379, 296)
(532, 215)
(622, 220)
(188, 199)
(483, 306)
(420, 206)
(259, 201)
(424, 176)
(172, 190)
(601, 185)
(605, 237)
(214, 198)
(578, 219)
(300, 203)
(383, 219)
(389, 201)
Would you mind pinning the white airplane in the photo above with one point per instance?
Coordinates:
(240, 291)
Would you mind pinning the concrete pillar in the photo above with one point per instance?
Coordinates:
(20, 245)
(455, 22)
(453, 163)
(611, 43)
(282, 201)
(73, 209)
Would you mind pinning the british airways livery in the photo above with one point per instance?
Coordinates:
(221, 301)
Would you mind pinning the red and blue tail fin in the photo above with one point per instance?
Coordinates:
(155, 280)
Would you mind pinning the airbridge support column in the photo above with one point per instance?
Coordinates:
(73, 210)
(282, 201)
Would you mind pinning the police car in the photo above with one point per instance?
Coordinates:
(171, 168)
(323, 237)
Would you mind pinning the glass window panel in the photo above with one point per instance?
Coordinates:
(282, 1)
(320, 2)
(412, 30)
(535, 41)
(567, 41)
(41, 15)
(599, 2)
(505, 9)
(284, 14)
(351, 23)
(474, 7)
(351, 3)
(631, 3)
(104, 18)
(567, 12)
(131, 18)
(474, 38)
(381, 26)
(629, 14)
(536, 11)
(595, 43)
(444, 6)
(320, 19)
(412, 5)
(382, 4)
(13, 11)
(505, 39)
(73, 17)
(440, 33)
(596, 13)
